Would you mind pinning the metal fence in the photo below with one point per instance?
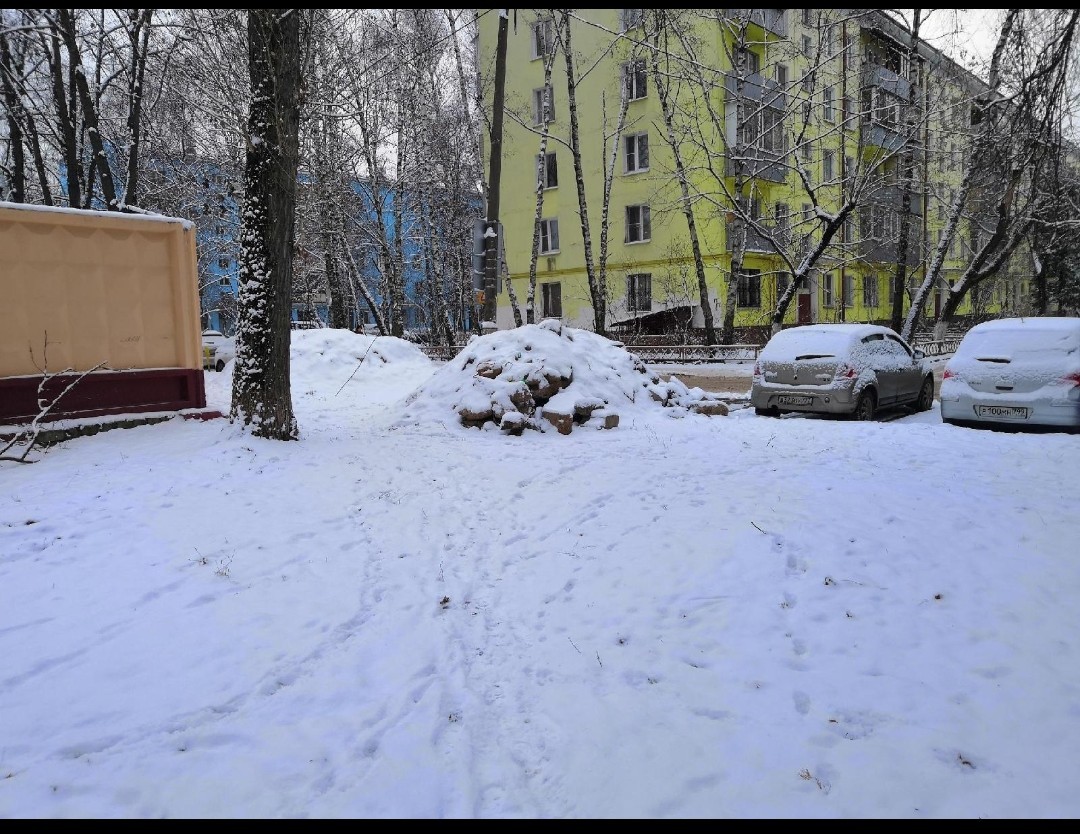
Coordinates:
(700, 354)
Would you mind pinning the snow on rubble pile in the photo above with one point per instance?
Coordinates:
(545, 376)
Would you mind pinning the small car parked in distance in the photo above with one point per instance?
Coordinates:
(218, 350)
(851, 370)
(1019, 372)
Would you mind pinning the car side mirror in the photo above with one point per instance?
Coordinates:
(918, 354)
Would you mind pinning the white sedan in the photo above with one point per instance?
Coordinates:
(218, 349)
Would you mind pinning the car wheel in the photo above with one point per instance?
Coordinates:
(865, 407)
(220, 365)
(926, 395)
(767, 412)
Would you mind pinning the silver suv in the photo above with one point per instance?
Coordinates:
(840, 369)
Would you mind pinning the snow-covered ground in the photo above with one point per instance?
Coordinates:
(397, 616)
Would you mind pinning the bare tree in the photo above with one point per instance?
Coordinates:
(1017, 121)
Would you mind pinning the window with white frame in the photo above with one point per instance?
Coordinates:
(870, 291)
(828, 108)
(637, 79)
(782, 75)
(547, 165)
(630, 18)
(551, 300)
(543, 105)
(849, 289)
(807, 46)
(638, 224)
(827, 165)
(639, 291)
(748, 286)
(549, 235)
(827, 299)
(808, 17)
(636, 155)
(543, 38)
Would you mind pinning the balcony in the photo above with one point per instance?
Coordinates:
(892, 196)
(755, 241)
(875, 75)
(758, 164)
(756, 88)
(773, 21)
(881, 135)
(887, 251)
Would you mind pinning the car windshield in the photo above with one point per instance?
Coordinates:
(1021, 345)
(806, 343)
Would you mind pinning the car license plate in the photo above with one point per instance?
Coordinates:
(790, 400)
(1002, 412)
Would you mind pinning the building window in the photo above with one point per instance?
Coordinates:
(827, 104)
(543, 38)
(223, 263)
(225, 282)
(543, 105)
(808, 17)
(827, 299)
(827, 41)
(781, 216)
(549, 236)
(638, 224)
(870, 292)
(639, 292)
(807, 46)
(782, 75)
(783, 281)
(551, 300)
(827, 165)
(547, 165)
(636, 157)
(749, 62)
(849, 289)
(637, 80)
(806, 151)
(749, 287)
(630, 18)
(763, 130)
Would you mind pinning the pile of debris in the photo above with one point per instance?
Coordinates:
(548, 376)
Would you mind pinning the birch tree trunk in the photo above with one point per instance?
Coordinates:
(597, 289)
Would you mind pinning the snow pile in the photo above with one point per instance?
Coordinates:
(323, 352)
(544, 376)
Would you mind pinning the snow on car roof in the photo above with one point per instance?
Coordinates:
(1063, 324)
(817, 339)
(1008, 337)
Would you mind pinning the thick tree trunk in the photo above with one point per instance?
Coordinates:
(262, 395)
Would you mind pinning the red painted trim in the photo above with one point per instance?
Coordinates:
(103, 393)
